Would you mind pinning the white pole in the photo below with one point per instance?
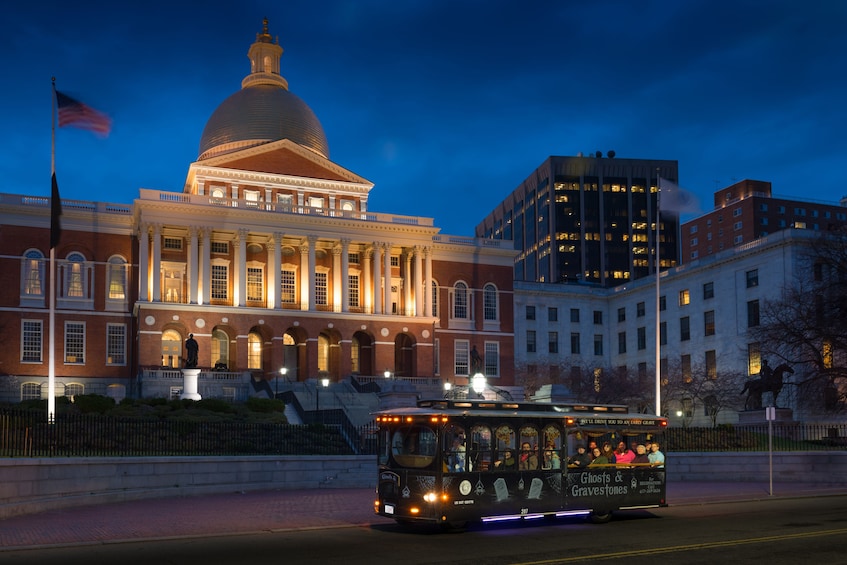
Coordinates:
(51, 343)
(658, 311)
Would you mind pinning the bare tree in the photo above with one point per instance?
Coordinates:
(807, 325)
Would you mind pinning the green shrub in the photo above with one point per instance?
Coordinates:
(93, 403)
(265, 405)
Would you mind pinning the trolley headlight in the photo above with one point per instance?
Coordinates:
(430, 497)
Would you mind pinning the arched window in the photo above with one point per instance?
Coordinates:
(489, 300)
(220, 349)
(33, 273)
(254, 351)
(354, 355)
(323, 353)
(460, 301)
(30, 391)
(74, 276)
(171, 349)
(74, 389)
(117, 278)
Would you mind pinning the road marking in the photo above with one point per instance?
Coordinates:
(692, 547)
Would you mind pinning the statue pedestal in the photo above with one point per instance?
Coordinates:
(755, 417)
(189, 384)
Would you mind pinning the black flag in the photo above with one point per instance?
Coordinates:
(55, 212)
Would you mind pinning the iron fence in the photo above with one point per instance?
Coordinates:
(782, 437)
(27, 434)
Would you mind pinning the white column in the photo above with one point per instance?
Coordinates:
(337, 296)
(367, 294)
(192, 265)
(143, 261)
(206, 267)
(377, 278)
(428, 292)
(345, 275)
(418, 284)
(157, 262)
(304, 275)
(408, 310)
(241, 268)
(313, 240)
(387, 278)
(274, 297)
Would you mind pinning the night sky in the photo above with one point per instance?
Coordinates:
(446, 106)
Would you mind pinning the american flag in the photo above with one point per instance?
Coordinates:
(76, 114)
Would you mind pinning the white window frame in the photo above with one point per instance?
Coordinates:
(74, 352)
(32, 331)
(116, 344)
(491, 359)
(461, 357)
(33, 267)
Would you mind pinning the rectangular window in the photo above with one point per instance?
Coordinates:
(708, 290)
(172, 243)
(461, 357)
(31, 341)
(598, 344)
(598, 316)
(530, 312)
(684, 297)
(552, 314)
(663, 333)
(353, 290)
(663, 303)
(395, 261)
(642, 338)
(754, 358)
(255, 283)
(530, 341)
(621, 315)
(640, 310)
(752, 278)
(684, 328)
(75, 343)
(685, 367)
(492, 359)
(220, 276)
(219, 247)
(621, 342)
(709, 322)
(553, 342)
(320, 289)
(575, 343)
(116, 344)
(752, 313)
(287, 280)
(575, 315)
(711, 364)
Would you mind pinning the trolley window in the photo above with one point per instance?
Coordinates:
(414, 446)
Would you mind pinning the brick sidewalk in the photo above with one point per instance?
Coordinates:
(264, 511)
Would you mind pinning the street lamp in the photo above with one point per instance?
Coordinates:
(282, 372)
(447, 388)
(324, 382)
(387, 374)
(478, 384)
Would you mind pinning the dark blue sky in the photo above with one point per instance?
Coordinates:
(446, 106)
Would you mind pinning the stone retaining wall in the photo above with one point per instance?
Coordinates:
(35, 485)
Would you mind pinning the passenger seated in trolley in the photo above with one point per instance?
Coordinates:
(528, 459)
(508, 462)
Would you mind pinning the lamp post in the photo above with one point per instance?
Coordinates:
(324, 382)
(447, 388)
(478, 384)
(387, 374)
(282, 372)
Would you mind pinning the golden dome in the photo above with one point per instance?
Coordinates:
(263, 110)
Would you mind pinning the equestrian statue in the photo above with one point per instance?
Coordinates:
(770, 380)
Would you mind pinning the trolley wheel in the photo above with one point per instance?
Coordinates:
(458, 526)
(600, 516)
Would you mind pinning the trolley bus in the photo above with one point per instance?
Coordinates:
(451, 462)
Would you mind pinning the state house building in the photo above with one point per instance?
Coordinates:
(269, 257)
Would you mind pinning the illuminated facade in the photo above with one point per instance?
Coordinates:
(586, 220)
(269, 257)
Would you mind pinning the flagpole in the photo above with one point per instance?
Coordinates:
(658, 294)
(51, 355)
